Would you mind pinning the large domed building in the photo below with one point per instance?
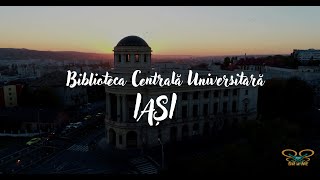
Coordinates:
(201, 111)
(132, 52)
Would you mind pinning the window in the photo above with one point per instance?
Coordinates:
(10, 98)
(216, 93)
(215, 108)
(120, 139)
(206, 94)
(225, 92)
(136, 57)
(184, 96)
(247, 92)
(195, 95)
(119, 57)
(145, 58)
(234, 106)
(225, 107)
(195, 110)
(184, 111)
(10, 94)
(235, 92)
(205, 109)
(9, 89)
(127, 57)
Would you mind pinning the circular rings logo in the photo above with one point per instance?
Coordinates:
(298, 159)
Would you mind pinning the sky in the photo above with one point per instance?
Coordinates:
(199, 31)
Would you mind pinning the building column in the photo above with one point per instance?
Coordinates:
(123, 58)
(179, 106)
(141, 58)
(211, 102)
(132, 58)
(200, 103)
(124, 140)
(144, 103)
(190, 105)
(148, 58)
(118, 108)
(108, 106)
(179, 132)
(221, 100)
(201, 125)
(121, 146)
(124, 108)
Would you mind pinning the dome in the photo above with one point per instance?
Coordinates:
(132, 41)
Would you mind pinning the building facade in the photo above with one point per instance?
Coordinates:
(199, 111)
(306, 55)
(55, 83)
(9, 95)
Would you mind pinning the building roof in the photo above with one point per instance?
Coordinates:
(132, 41)
(53, 79)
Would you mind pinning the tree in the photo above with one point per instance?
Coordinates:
(46, 97)
(281, 97)
(226, 61)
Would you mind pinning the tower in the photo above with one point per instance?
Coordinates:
(132, 52)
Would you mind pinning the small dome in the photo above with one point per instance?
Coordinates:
(132, 41)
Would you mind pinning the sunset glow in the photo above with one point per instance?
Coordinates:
(168, 30)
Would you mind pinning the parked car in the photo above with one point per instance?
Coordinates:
(78, 124)
(74, 125)
(33, 141)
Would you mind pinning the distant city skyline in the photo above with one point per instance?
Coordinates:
(198, 31)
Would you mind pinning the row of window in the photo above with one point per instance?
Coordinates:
(195, 110)
(215, 94)
(128, 57)
(215, 109)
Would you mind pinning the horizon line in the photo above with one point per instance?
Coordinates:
(101, 53)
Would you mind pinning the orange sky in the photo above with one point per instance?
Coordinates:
(168, 30)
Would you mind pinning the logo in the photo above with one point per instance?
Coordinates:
(295, 159)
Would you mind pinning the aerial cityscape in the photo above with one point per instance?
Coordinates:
(63, 109)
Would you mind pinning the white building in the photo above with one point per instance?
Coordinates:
(282, 73)
(306, 55)
(169, 66)
(200, 111)
(9, 95)
(309, 74)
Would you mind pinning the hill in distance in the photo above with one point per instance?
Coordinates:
(25, 54)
